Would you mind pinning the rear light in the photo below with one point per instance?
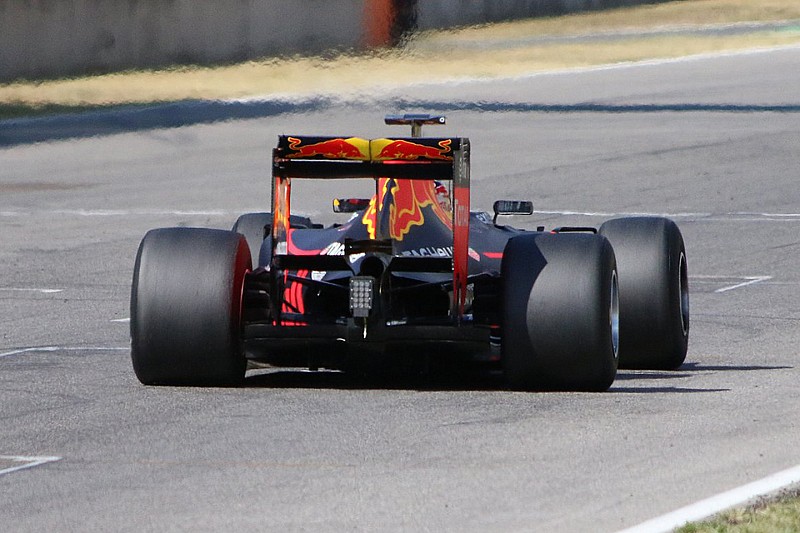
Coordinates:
(361, 293)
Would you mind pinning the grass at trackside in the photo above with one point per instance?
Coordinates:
(423, 58)
(780, 515)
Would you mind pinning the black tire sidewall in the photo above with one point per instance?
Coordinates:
(186, 307)
(653, 332)
(556, 331)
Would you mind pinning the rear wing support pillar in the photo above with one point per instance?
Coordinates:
(461, 209)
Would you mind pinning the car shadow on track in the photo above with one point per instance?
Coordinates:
(654, 390)
(627, 381)
(329, 379)
(697, 367)
(689, 370)
(442, 374)
(686, 371)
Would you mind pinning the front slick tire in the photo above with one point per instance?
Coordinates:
(560, 312)
(653, 291)
(186, 307)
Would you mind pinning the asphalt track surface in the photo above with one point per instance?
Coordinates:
(714, 142)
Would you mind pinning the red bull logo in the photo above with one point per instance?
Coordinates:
(402, 204)
(352, 148)
(400, 149)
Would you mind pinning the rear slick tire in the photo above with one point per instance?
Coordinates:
(653, 291)
(186, 301)
(560, 312)
(255, 228)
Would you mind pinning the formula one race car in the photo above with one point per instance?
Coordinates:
(412, 271)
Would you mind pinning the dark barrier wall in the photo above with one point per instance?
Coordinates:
(50, 38)
(449, 13)
(46, 38)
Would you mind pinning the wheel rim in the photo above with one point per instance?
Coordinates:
(614, 314)
(684, 293)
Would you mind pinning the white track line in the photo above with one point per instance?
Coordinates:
(751, 280)
(715, 504)
(754, 217)
(702, 216)
(747, 280)
(23, 289)
(715, 217)
(28, 462)
(47, 349)
(757, 50)
(610, 214)
(122, 320)
(122, 212)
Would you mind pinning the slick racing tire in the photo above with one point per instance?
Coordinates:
(560, 312)
(255, 227)
(186, 301)
(653, 291)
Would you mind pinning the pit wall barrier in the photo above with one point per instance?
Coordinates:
(54, 38)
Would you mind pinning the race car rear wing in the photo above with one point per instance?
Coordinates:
(336, 157)
(444, 159)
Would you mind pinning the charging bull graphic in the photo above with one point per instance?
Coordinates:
(403, 206)
(355, 148)
(404, 150)
(352, 148)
